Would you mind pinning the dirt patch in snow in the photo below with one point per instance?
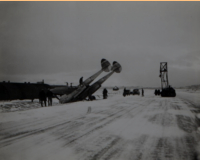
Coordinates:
(158, 119)
(186, 123)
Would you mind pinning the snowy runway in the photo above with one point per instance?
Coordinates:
(119, 128)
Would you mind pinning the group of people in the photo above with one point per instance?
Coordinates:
(157, 92)
(45, 96)
(48, 95)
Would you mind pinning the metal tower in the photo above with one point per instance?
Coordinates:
(164, 75)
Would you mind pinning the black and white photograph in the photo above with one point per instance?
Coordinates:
(100, 80)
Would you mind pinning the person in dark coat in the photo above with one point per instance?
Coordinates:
(156, 92)
(81, 81)
(42, 97)
(49, 97)
(105, 93)
(124, 93)
(142, 92)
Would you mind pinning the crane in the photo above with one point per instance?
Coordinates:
(167, 90)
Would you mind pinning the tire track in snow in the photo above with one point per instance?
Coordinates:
(103, 151)
(96, 128)
(181, 147)
(80, 131)
(7, 129)
(114, 150)
(74, 129)
(9, 139)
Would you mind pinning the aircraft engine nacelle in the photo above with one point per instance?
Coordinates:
(105, 65)
(116, 67)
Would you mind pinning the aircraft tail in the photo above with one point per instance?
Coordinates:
(105, 65)
(94, 87)
(116, 67)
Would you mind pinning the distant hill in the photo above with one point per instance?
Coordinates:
(130, 87)
(193, 87)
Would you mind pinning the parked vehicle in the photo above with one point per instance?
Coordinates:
(115, 88)
(126, 92)
(136, 92)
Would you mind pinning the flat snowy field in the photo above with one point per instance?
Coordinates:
(118, 128)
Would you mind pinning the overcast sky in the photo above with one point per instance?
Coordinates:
(62, 41)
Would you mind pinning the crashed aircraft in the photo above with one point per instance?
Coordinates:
(85, 90)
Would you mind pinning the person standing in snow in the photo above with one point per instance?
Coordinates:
(42, 97)
(105, 93)
(142, 92)
(124, 93)
(49, 97)
(81, 81)
(156, 92)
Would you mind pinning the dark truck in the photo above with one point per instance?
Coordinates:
(136, 92)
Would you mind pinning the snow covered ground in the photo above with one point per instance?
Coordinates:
(118, 128)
